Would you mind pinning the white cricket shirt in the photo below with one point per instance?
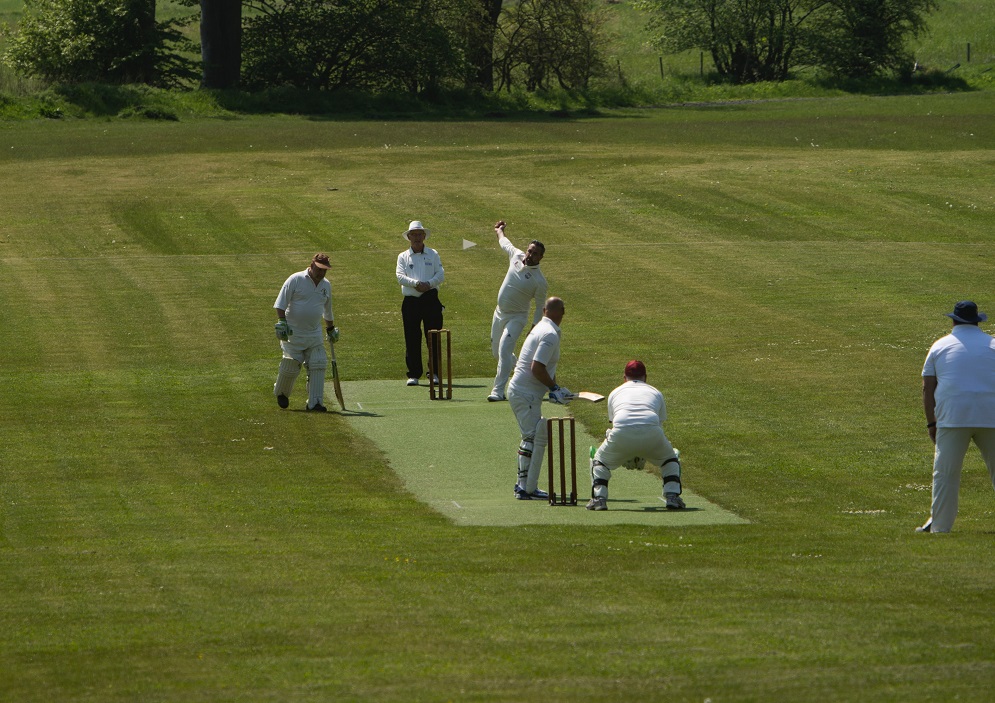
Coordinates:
(412, 268)
(964, 365)
(306, 304)
(522, 284)
(636, 403)
(542, 345)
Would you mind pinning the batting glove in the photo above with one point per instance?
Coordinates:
(560, 396)
(283, 330)
(333, 335)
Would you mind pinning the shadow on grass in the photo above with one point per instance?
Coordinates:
(345, 413)
(145, 102)
(139, 101)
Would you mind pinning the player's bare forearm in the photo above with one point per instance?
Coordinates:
(542, 375)
(929, 397)
(929, 384)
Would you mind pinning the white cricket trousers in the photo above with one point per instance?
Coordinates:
(948, 460)
(506, 328)
(623, 444)
(528, 411)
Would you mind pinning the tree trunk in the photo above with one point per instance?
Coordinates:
(143, 68)
(481, 45)
(221, 42)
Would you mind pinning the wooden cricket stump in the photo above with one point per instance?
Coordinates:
(434, 348)
(561, 498)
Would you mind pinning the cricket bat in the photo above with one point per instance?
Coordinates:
(588, 395)
(335, 379)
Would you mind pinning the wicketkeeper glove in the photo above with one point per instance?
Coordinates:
(283, 330)
(333, 335)
(560, 396)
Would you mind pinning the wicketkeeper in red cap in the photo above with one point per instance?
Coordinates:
(637, 412)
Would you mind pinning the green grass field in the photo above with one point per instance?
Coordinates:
(168, 534)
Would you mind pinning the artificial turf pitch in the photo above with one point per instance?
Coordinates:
(459, 457)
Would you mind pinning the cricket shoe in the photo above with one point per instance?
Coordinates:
(495, 398)
(537, 494)
(283, 401)
(674, 502)
(928, 527)
(412, 382)
(597, 504)
(317, 408)
(435, 380)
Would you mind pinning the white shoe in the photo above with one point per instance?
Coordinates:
(435, 380)
(412, 382)
(495, 398)
(597, 504)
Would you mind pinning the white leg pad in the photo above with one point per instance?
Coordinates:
(538, 455)
(600, 475)
(524, 461)
(671, 473)
(317, 362)
(289, 370)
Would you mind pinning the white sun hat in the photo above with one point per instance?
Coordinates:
(415, 224)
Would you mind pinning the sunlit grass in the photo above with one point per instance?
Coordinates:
(168, 534)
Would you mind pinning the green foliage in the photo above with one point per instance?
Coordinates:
(116, 41)
(764, 40)
(862, 38)
(748, 40)
(547, 43)
(374, 45)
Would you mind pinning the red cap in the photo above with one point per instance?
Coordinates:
(635, 369)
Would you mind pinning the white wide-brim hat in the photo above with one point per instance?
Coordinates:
(415, 224)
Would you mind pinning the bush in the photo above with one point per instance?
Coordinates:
(114, 41)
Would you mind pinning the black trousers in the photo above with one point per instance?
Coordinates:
(418, 314)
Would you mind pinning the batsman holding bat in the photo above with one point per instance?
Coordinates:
(522, 284)
(636, 411)
(535, 374)
(304, 300)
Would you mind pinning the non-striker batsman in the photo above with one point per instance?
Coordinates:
(303, 302)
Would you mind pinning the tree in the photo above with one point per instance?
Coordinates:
(749, 40)
(114, 41)
(372, 45)
(220, 42)
(550, 42)
(862, 38)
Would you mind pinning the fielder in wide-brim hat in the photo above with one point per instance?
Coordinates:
(958, 397)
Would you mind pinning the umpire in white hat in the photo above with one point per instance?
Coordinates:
(420, 273)
(958, 397)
